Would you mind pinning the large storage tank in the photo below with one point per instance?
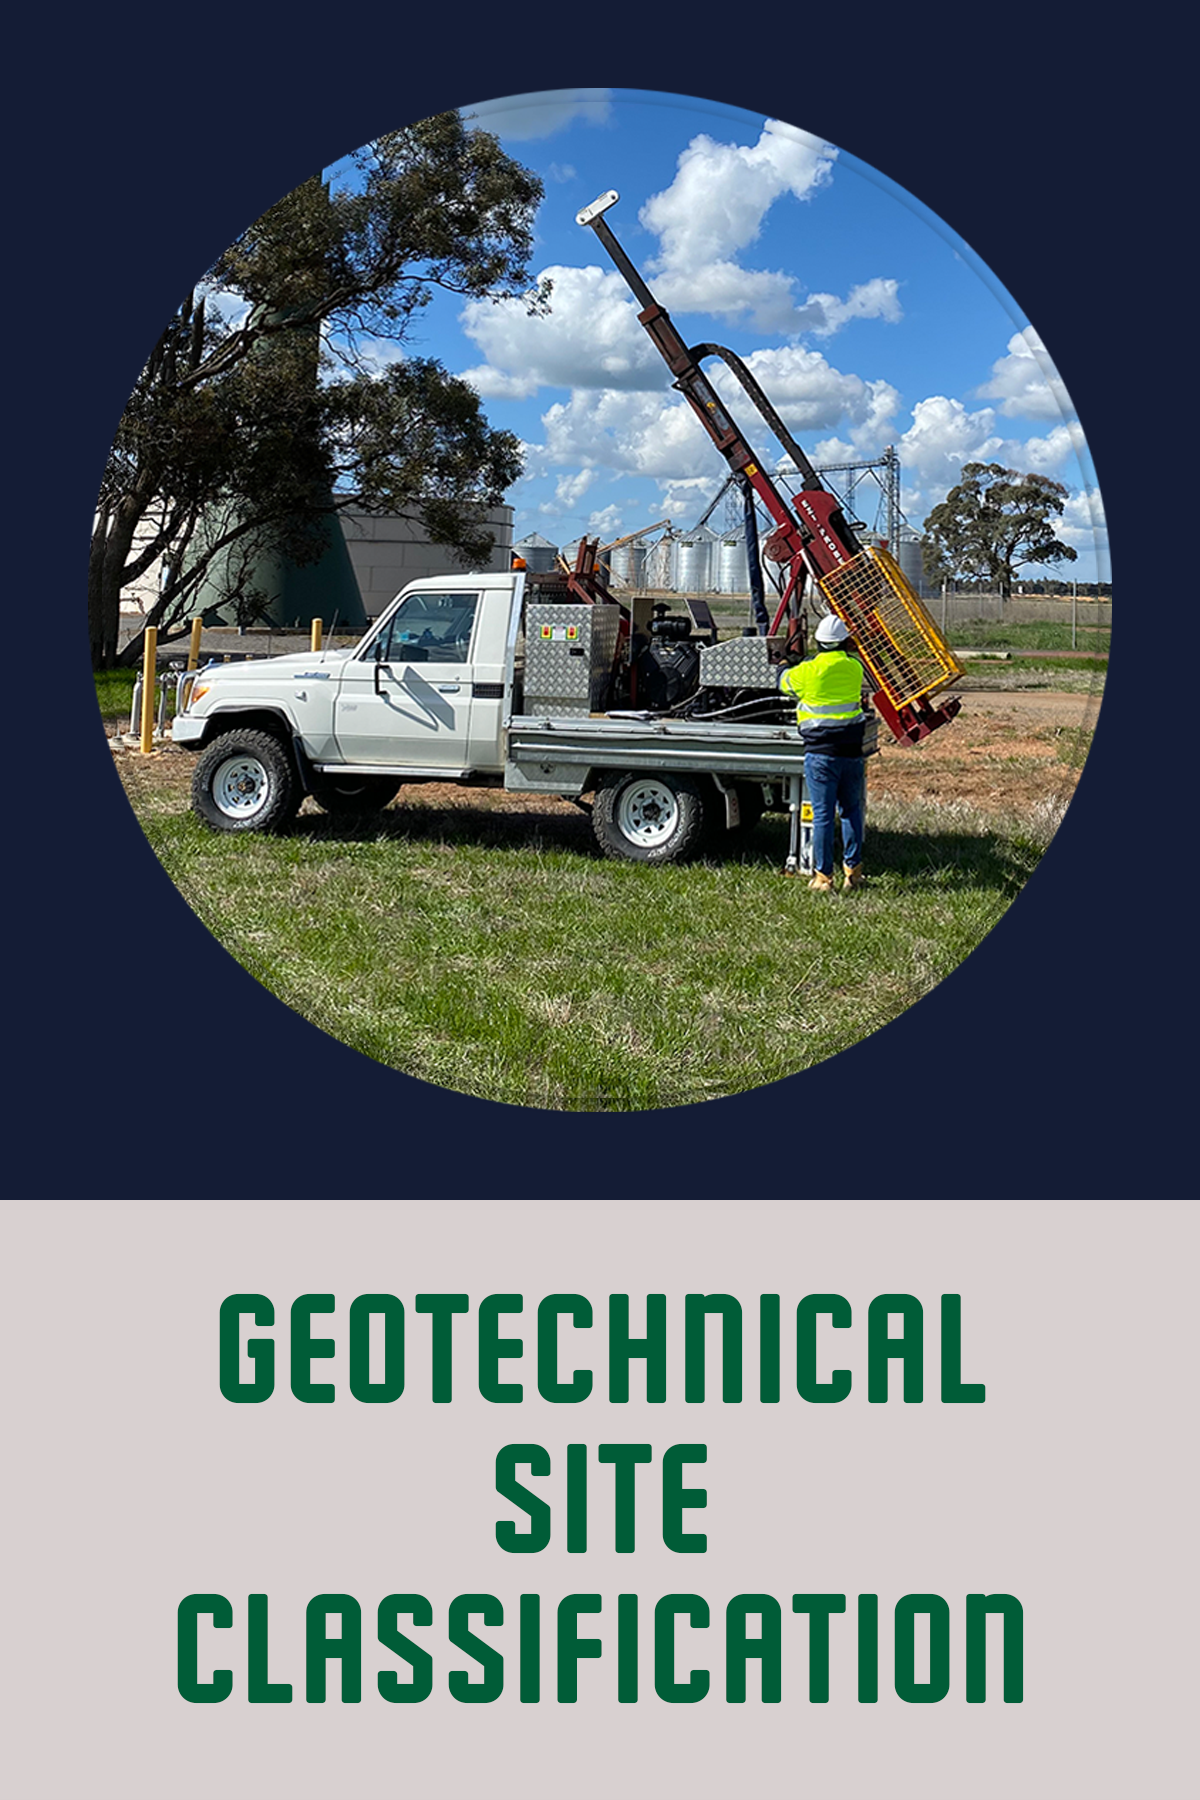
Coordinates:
(627, 565)
(539, 553)
(660, 563)
(733, 569)
(570, 551)
(694, 562)
(909, 555)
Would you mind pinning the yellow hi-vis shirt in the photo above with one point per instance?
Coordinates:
(827, 688)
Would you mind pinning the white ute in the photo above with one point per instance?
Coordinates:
(469, 678)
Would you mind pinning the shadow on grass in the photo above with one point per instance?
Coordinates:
(981, 861)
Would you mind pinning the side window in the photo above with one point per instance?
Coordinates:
(428, 628)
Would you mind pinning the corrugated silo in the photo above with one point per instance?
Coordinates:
(694, 562)
(733, 570)
(909, 556)
(627, 565)
(539, 553)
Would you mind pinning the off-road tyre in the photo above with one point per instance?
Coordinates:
(353, 796)
(246, 781)
(650, 818)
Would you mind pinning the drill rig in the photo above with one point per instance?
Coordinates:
(907, 660)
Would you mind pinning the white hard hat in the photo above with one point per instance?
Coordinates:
(832, 631)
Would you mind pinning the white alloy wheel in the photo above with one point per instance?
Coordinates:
(241, 787)
(647, 812)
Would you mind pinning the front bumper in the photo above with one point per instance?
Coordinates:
(186, 730)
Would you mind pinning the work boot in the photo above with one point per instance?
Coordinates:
(821, 884)
(853, 877)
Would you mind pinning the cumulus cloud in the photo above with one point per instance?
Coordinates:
(520, 117)
(605, 524)
(810, 395)
(716, 204)
(712, 211)
(944, 435)
(570, 489)
(653, 432)
(1084, 527)
(1025, 381)
(590, 338)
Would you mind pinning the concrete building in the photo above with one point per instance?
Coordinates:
(385, 554)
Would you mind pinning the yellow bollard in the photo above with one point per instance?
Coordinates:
(149, 671)
(193, 661)
(316, 635)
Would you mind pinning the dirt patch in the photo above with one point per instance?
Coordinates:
(1006, 752)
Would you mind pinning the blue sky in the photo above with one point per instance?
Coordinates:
(865, 319)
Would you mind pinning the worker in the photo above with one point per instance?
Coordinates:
(828, 688)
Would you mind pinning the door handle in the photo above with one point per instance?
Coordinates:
(448, 687)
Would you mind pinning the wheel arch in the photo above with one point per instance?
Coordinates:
(259, 718)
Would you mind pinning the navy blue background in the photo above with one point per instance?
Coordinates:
(1047, 1065)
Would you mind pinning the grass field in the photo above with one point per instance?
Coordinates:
(478, 942)
(1037, 634)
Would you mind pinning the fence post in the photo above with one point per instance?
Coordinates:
(149, 671)
(1074, 605)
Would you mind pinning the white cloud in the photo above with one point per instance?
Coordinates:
(715, 209)
(570, 489)
(524, 116)
(591, 338)
(683, 501)
(1083, 522)
(1026, 383)
(653, 432)
(712, 210)
(809, 395)
(716, 204)
(605, 524)
(944, 436)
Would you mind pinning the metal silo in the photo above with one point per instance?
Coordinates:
(539, 553)
(627, 565)
(570, 551)
(733, 570)
(694, 562)
(909, 556)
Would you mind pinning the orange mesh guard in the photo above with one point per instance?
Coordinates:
(894, 634)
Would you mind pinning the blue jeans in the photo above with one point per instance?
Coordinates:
(836, 783)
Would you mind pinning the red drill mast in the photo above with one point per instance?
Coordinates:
(899, 643)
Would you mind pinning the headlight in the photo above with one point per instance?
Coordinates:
(196, 692)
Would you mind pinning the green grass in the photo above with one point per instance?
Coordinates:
(1037, 634)
(114, 692)
(493, 952)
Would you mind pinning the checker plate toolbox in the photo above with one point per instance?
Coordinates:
(569, 655)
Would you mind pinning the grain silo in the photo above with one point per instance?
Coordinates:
(694, 562)
(732, 567)
(538, 553)
(909, 554)
(627, 565)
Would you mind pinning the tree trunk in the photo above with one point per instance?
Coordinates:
(112, 541)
